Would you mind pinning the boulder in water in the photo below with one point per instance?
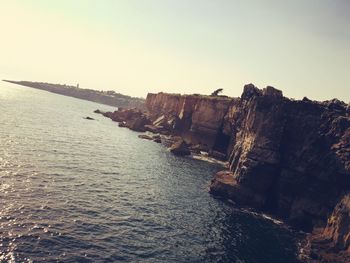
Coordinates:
(145, 136)
(180, 148)
(157, 138)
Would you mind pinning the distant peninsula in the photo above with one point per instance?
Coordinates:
(110, 97)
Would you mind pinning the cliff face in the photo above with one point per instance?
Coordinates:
(290, 158)
(198, 119)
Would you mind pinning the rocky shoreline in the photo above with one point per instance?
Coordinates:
(161, 130)
(289, 158)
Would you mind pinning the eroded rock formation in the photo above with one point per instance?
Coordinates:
(197, 119)
(288, 157)
(332, 244)
(133, 119)
(338, 225)
(292, 155)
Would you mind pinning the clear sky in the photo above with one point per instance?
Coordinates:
(183, 46)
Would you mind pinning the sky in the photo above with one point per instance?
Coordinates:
(180, 46)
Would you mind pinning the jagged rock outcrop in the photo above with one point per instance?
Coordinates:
(337, 230)
(290, 158)
(180, 148)
(293, 155)
(133, 119)
(332, 244)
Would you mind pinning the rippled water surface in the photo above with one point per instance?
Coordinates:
(74, 190)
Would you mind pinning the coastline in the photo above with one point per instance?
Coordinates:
(110, 98)
(276, 149)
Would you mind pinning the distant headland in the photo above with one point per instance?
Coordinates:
(110, 97)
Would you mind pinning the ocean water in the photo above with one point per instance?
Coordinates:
(75, 190)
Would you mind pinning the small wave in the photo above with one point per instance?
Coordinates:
(208, 159)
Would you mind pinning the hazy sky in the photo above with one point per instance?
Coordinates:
(182, 46)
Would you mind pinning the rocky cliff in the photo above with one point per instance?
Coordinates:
(197, 118)
(288, 157)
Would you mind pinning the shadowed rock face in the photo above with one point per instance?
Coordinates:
(338, 226)
(293, 154)
(332, 245)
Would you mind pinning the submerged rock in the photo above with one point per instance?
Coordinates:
(146, 137)
(98, 111)
(226, 186)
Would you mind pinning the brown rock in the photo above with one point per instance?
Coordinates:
(157, 138)
(122, 124)
(152, 128)
(225, 185)
(197, 148)
(180, 148)
(332, 244)
(196, 118)
(134, 119)
(146, 137)
(217, 155)
(137, 124)
(338, 225)
(271, 91)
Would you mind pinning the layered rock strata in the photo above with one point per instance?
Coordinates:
(289, 157)
(197, 119)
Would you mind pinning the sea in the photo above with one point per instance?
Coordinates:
(78, 190)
